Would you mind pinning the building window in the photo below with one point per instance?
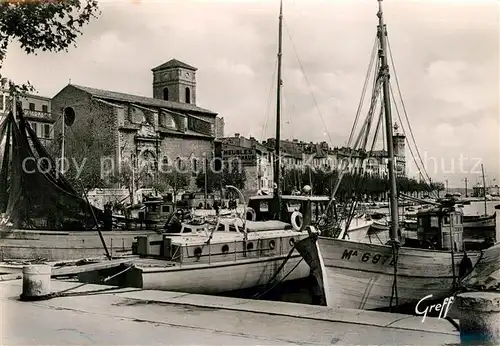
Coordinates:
(188, 95)
(2, 103)
(165, 94)
(46, 130)
(45, 108)
(32, 106)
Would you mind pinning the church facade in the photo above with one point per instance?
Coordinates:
(163, 133)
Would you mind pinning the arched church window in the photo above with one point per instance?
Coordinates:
(165, 94)
(188, 95)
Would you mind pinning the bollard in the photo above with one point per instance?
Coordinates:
(36, 282)
(479, 318)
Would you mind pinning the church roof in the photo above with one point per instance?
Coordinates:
(142, 100)
(174, 63)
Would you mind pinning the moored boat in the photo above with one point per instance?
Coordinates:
(402, 271)
(230, 255)
(480, 221)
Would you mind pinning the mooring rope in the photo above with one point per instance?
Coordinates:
(395, 254)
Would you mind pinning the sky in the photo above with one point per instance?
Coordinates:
(446, 59)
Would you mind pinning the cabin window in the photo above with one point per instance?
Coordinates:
(152, 208)
(187, 230)
(166, 209)
(250, 246)
(446, 220)
(232, 228)
(225, 249)
(221, 228)
(434, 221)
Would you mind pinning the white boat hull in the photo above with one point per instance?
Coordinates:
(358, 230)
(218, 277)
(361, 276)
(487, 222)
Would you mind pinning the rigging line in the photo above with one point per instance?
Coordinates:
(404, 108)
(404, 133)
(353, 130)
(268, 104)
(307, 81)
(377, 130)
(365, 85)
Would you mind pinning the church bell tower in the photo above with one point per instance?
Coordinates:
(175, 81)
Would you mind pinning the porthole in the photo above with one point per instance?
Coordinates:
(272, 244)
(225, 249)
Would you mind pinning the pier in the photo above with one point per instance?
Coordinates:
(103, 315)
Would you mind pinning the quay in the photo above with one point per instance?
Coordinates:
(102, 315)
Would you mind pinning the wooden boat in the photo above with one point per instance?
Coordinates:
(59, 245)
(370, 276)
(231, 255)
(361, 276)
(480, 221)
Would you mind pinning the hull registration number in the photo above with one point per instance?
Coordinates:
(368, 257)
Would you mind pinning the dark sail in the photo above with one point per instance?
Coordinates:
(37, 196)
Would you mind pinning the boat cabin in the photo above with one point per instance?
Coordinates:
(441, 228)
(201, 243)
(157, 210)
(311, 207)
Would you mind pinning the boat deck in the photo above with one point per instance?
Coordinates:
(96, 315)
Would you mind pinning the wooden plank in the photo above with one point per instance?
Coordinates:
(91, 267)
(9, 277)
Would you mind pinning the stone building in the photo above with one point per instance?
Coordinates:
(254, 158)
(37, 111)
(159, 133)
(219, 127)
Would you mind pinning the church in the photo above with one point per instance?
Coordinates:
(139, 131)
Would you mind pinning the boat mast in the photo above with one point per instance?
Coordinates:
(277, 162)
(384, 72)
(484, 192)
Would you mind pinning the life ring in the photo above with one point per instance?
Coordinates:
(253, 215)
(297, 215)
(272, 244)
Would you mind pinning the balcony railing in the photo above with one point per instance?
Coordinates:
(37, 114)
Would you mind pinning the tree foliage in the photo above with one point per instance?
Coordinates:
(353, 185)
(218, 180)
(51, 26)
(173, 180)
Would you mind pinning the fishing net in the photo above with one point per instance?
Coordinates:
(33, 194)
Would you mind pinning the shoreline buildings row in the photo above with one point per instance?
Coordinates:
(154, 131)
